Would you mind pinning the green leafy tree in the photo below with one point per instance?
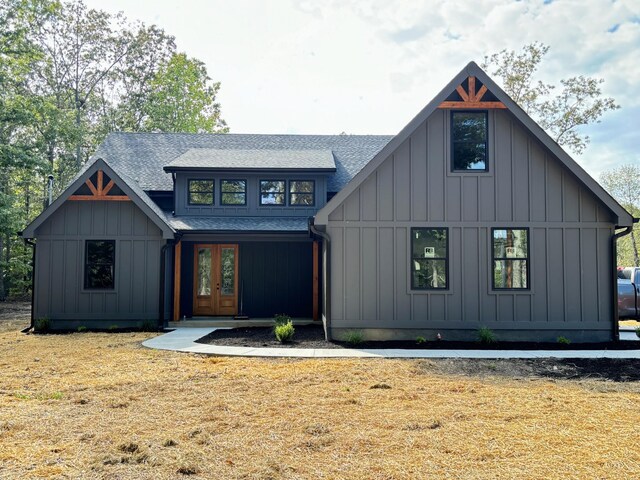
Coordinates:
(623, 183)
(562, 110)
(183, 99)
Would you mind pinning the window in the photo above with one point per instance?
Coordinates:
(233, 192)
(272, 192)
(510, 259)
(469, 141)
(302, 192)
(99, 264)
(200, 192)
(429, 259)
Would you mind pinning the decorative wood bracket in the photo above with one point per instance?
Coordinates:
(101, 191)
(471, 99)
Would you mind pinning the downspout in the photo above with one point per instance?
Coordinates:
(614, 260)
(163, 269)
(173, 179)
(327, 278)
(33, 278)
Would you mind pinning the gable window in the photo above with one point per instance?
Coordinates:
(469, 141)
(200, 192)
(233, 192)
(302, 192)
(510, 258)
(429, 259)
(99, 264)
(272, 192)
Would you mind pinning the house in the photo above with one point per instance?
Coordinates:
(470, 216)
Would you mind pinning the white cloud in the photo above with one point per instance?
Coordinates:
(314, 66)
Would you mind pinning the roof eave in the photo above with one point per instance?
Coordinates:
(170, 169)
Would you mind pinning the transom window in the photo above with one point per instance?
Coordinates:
(429, 259)
(200, 192)
(302, 192)
(469, 141)
(99, 264)
(272, 192)
(233, 192)
(510, 259)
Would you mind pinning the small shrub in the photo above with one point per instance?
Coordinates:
(354, 337)
(148, 325)
(563, 340)
(41, 324)
(82, 328)
(420, 340)
(486, 336)
(282, 318)
(113, 328)
(284, 331)
(638, 332)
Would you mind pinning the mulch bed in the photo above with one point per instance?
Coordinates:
(312, 336)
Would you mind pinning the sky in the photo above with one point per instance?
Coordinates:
(368, 67)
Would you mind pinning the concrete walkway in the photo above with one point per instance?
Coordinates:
(183, 340)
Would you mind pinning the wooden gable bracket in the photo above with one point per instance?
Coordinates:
(100, 192)
(471, 99)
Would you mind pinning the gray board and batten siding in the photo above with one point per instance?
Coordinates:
(60, 256)
(138, 228)
(411, 184)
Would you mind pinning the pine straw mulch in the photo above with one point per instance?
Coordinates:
(98, 405)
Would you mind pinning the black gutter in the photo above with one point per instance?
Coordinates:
(33, 278)
(327, 278)
(614, 260)
(250, 170)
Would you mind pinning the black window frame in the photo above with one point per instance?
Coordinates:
(86, 283)
(453, 142)
(290, 193)
(494, 258)
(446, 260)
(284, 193)
(222, 192)
(213, 192)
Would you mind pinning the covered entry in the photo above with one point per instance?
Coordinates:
(255, 278)
(215, 279)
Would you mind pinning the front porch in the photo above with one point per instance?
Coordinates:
(244, 280)
(231, 322)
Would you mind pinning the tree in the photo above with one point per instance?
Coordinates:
(183, 99)
(623, 183)
(578, 102)
(18, 152)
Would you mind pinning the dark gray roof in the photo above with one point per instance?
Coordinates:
(142, 156)
(220, 159)
(243, 224)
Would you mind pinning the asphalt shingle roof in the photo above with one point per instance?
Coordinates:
(221, 159)
(142, 156)
(246, 224)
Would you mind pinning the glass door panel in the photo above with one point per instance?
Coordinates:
(227, 271)
(204, 271)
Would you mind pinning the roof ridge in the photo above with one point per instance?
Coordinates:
(254, 134)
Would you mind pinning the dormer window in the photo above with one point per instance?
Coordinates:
(469, 141)
(302, 192)
(272, 192)
(200, 192)
(233, 192)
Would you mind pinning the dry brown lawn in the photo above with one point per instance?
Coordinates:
(91, 405)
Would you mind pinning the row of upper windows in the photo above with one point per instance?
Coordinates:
(430, 258)
(234, 192)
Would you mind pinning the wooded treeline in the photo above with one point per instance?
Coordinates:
(69, 75)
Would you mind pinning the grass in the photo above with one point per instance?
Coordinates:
(98, 405)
